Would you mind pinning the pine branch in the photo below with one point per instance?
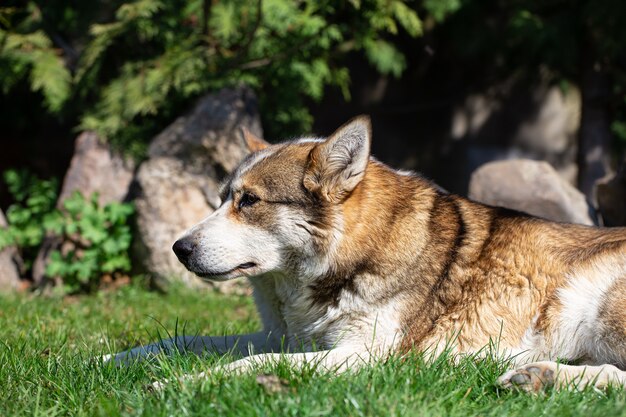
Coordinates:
(243, 50)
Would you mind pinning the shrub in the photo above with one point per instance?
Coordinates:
(32, 211)
(96, 239)
(132, 65)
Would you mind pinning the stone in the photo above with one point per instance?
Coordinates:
(94, 168)
(515, 119)
(209, 136)
(178, 185)
(169, 201)
(611, 195)
(9, 261)
(530, 186)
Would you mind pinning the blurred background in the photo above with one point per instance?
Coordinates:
(119, 118)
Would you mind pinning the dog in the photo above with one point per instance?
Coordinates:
(351, 261)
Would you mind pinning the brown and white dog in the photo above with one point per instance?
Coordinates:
(352, 261)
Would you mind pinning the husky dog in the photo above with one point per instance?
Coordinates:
(351, 261)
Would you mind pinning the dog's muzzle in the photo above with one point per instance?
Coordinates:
(187, 250)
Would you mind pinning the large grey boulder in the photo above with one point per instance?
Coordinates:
(170, 200)
(9, 259)
(530, 186)
(514, 119)
(208, 138)
(178, 185)
(94, 168)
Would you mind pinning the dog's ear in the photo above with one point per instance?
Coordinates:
(252, 141)
(338, 164)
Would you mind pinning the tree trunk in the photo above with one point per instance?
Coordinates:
(595, 129)
(612, 198)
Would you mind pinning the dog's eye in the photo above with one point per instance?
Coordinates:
(247, 199)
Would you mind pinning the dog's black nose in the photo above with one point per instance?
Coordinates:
(183, 248)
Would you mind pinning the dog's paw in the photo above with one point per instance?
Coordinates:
(533, 377)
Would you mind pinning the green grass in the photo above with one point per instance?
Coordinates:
(47, 367)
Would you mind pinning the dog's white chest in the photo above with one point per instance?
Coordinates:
(349, 321)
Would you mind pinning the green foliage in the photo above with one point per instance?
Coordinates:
(27, 217)
(277, 46)
(95, 239)
(127, 68)
(99, 240)
(146, 60)
(439, 9)
(385, 57)
(26, 50)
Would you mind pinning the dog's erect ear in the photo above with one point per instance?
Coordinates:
(338, 164)
(253, 142)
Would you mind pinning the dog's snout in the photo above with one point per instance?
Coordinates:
(183, 248)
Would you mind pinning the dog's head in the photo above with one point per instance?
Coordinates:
(281, 207)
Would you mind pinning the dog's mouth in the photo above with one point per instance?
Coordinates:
(239, 270)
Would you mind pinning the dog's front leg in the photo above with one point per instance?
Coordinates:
(334, 360)
(245, 345)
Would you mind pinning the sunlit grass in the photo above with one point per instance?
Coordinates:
(49, 350)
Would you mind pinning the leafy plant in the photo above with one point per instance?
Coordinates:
(95, 239)
(28, 216)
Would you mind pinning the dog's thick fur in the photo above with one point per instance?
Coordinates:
(351, 260)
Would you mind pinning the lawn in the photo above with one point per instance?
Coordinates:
(48, 348)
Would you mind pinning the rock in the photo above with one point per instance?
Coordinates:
(611, 194)
(530, 186)
(9, 261)
(94, 168)
(511, 120)
(169, 201)
(551, 133)
(178, 185)
(208, 137)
